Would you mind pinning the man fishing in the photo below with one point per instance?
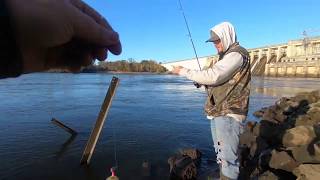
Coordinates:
(228, 83)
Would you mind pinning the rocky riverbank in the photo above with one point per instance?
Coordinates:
(285, 143)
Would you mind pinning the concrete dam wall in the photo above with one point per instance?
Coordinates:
(297, 58)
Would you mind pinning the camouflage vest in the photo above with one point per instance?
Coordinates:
(231, 97)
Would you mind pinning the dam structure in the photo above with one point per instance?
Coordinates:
(296, 58)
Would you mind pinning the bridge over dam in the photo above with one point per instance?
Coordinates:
(296, 58)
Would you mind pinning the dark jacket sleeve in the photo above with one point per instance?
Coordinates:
(11, 64)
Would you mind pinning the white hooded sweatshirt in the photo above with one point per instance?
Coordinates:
(224, 69)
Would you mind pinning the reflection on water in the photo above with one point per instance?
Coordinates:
(151, 118)
(278, 92)
(65, 146)
(279, 87)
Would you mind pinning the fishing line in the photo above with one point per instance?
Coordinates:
(193, 46)
(114, 169)
(115, 147)
(194, 50)
(189, 33)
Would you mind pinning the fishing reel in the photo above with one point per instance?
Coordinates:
(197, 85)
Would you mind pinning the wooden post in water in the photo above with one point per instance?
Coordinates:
(91, 144)
(66, 128)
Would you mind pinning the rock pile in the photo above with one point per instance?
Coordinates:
(285, 144)
(184, 164)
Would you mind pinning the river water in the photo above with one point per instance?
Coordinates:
(151, 118)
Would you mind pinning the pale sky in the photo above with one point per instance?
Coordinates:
(155, 29)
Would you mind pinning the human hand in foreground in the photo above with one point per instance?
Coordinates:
(60, 34)
(176, 69)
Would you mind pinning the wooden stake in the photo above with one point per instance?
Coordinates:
(91, 144)
(66, 128)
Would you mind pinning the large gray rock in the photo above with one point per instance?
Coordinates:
(306, 119)
(282, 160)
(268, 175)
(312, 116)
(269, 115)
(316, 147)
(306, 153)
(258, 146)
(280, 117)
(271, 132)
(183, 165)
(282, 102)
(195, 154)
(316, 94)
(298, 136)
(182, 168)
(317, 131)
(307, 172)
(314, 113)
(287, 105)
(256, 129)
(287, 136)
(306, 96)
(247, 139)
(258, 113)
(316, 104)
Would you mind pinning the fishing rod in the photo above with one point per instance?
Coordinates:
(189, 33)
(194, 48)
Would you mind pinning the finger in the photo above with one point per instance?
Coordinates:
(75, 62)
(87, 29)
(78, 54)
(72, 56)
(115, 49)
(100, 54)
(91, 12)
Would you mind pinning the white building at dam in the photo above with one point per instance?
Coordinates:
(296, 58)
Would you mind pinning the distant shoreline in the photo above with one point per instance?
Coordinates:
(108, 72)
(124, 72)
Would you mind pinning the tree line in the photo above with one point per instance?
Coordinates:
(127, 66)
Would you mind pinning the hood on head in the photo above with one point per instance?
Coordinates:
(226, 33)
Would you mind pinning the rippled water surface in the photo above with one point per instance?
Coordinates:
(151, 118)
